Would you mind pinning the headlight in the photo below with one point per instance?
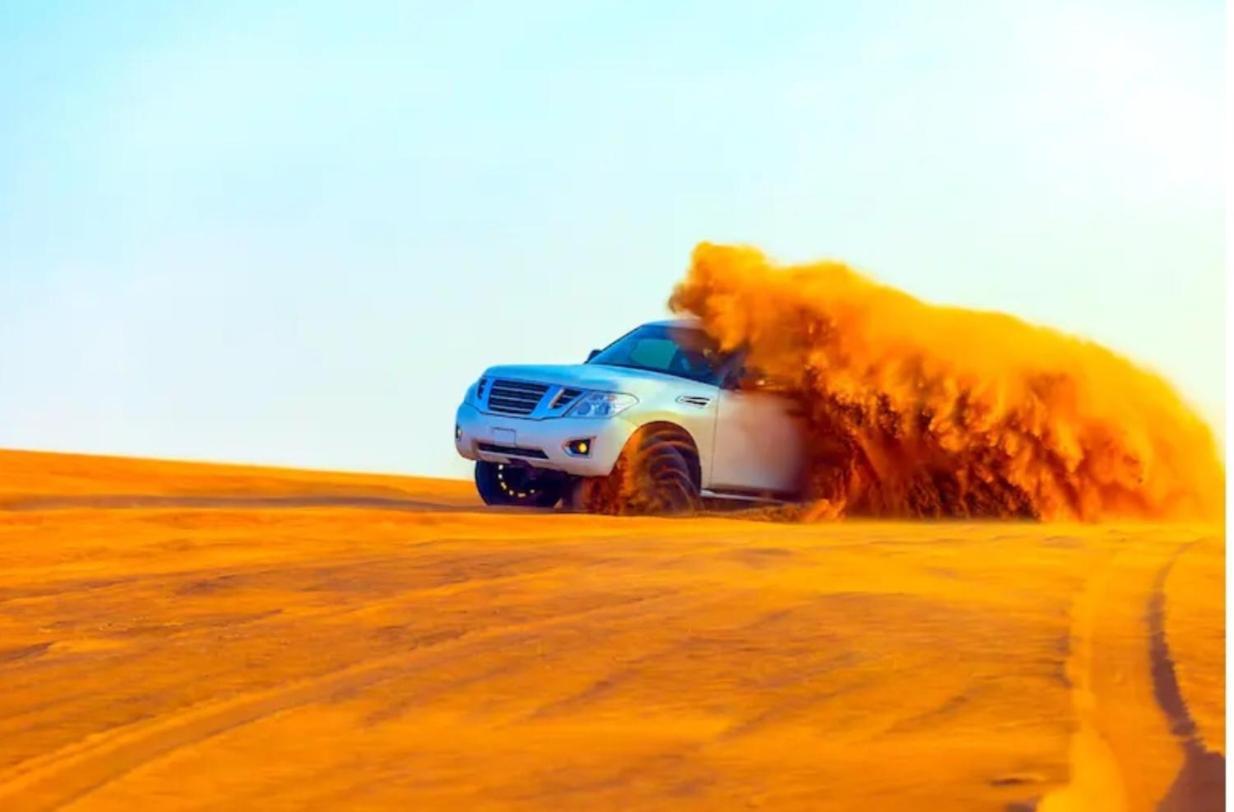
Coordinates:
(475, 392)
(601, 404)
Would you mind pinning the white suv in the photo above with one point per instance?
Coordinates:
(652, 423)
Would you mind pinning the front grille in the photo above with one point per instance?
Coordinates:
(515, 397)
(566, 397)
(513, 451)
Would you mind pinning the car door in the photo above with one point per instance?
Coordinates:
(759, 441)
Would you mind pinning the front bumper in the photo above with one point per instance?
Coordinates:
(478, 435)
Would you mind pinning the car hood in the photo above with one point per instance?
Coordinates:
(592, 376)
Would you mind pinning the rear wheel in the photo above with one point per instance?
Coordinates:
(521, 485)
(657, 474)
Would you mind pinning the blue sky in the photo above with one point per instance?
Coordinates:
(294, 232)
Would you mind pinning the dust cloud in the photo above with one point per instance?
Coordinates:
(919, 410)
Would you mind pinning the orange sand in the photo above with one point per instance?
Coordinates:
(177, 636)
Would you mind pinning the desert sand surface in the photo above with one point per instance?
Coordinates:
(187, 636)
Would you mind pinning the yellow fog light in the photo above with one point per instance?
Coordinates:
(579, 448)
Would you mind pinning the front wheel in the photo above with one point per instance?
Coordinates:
(655, 475)
(518, 485)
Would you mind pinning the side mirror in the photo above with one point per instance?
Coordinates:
(592, 354)
(742, 379)
(748, 379)
(751, 383)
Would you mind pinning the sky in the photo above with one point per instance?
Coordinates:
(293, 233)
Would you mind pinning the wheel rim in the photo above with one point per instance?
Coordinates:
(516, 483)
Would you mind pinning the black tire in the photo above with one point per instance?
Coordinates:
(518, 485)
(657, 474)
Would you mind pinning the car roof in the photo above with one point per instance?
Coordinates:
(688, 321)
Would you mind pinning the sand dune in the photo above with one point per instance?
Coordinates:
(180, 636)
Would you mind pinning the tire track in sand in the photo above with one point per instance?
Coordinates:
(58, 778)
(1135, 748)
(1200, 784)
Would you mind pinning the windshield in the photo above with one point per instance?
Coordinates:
(680, 351)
